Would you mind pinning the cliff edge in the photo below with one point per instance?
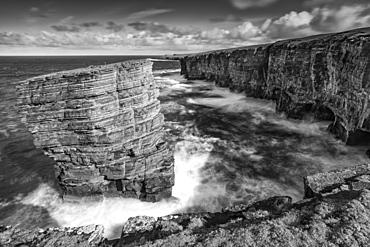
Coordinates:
(327, 75)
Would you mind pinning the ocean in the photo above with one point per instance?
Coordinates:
(228, 149)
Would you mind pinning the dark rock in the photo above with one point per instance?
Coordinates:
(103, 127)
(326, 75)
(352, 178)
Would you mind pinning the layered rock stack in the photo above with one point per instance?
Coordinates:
(103, 127)
(328, 75)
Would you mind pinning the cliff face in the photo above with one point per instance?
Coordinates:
(328, 75)
(103, 127)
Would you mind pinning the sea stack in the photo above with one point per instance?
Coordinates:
(103, 127)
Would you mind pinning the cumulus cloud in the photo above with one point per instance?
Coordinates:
(290, 25)
(245, 31)
(244, 4)
(114, 26)
(215, 33)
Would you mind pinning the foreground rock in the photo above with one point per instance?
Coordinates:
(51, 237)
(328, 75)
(337, 217)
(335, 212)
(103, 127)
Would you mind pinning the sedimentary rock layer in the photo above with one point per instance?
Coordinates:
(328, 75)
(103, 127)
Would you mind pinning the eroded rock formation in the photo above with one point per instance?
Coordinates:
(103, 127)
(328, 75)
(337, 214)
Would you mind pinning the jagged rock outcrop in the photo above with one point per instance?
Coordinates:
(91, 235)
(328, 75)
(338, 214)
(103, 127)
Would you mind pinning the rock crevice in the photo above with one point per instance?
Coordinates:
(103, 127)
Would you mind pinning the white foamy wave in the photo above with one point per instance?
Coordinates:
(160, 60)
(165, 81)
(190, 156)
(166, 71)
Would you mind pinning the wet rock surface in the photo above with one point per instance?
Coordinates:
(337, 217)
(103, 127)
(326, 75)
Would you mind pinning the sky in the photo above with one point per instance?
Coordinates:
(157, 27)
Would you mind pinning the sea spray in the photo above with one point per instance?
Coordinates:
(190, 155)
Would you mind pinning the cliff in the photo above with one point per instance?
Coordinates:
(327, 75)
(103, 127)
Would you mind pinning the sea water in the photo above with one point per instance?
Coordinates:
(228, 149)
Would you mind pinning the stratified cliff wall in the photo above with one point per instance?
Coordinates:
(103, 127)
(328, 75)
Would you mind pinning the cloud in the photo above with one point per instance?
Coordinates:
(67, 25)
(245, 31)
(228, 18)
(215, 33)
(244, 4)
(34, 9)
(147, 13)
(158, 28)
(317, 3)
(65, 28)
(114, 27)
(36, 14)
(290, 25)
(153, 36)
(64, 40)
(339, 19)
(150, 26)
(90, 24)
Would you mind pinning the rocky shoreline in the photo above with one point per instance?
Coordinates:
(334, 212)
